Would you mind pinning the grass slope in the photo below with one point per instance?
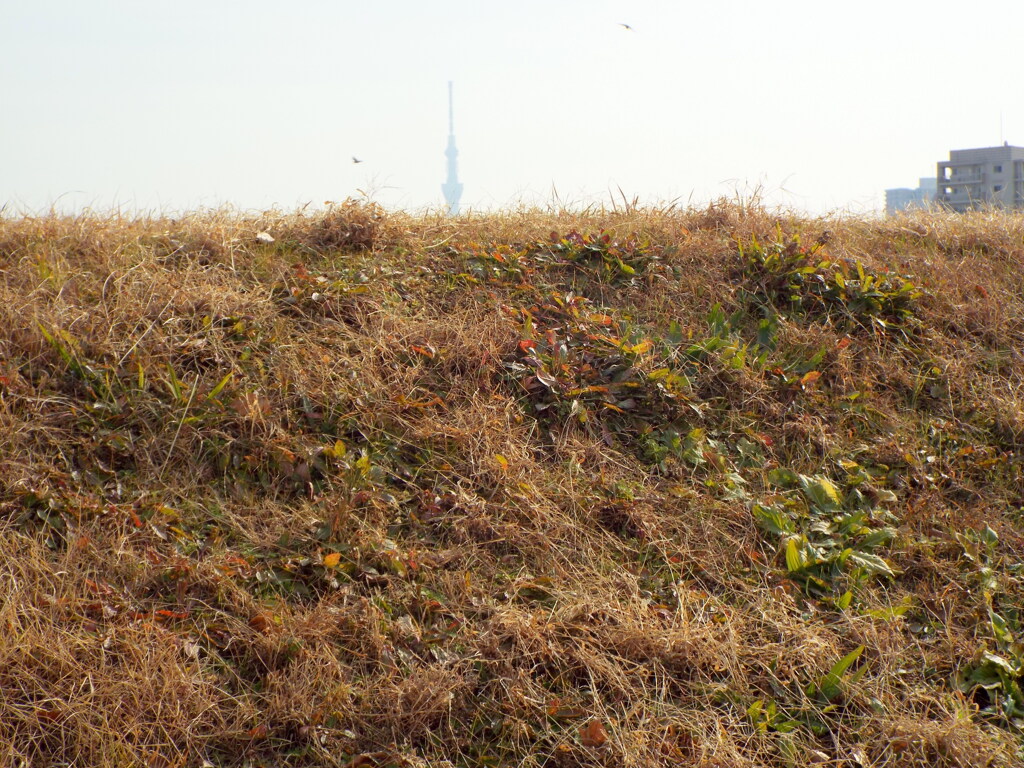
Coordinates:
(716, 487)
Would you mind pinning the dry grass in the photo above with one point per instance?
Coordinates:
(400, 491)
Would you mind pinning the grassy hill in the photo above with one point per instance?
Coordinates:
(717, 487)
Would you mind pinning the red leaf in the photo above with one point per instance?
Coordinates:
(164, 614)
(593, 734)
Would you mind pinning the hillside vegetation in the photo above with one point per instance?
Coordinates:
(637, 487)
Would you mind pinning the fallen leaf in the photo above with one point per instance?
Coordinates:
(809, 378)
(260, 622)
(593, 734)
(332, 559)
(165, 614)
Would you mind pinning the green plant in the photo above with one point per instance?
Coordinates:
(829, 542)
(602, 257)
(575, 362)
(793, 279)
(995, 680)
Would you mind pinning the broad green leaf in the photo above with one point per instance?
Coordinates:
(784, 478)
(1000, 662)
(891, 612)
(872, 563)
(820, 492)
(773, 520)
(877, 538)
(794, 562)
(1000, 628)
(754, 710)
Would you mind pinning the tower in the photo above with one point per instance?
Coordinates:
(452, 188)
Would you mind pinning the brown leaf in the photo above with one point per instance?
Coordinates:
(593, 734)
(261, 622)
(371, 760)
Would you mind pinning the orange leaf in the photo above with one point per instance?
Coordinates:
(165, 614)
(332, 559)
(843, 343)
(809, 378)
(593, 734)
(260, 622)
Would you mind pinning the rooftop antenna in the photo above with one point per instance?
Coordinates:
(452, 187)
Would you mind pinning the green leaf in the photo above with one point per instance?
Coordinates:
(223, 382)
(784, 478)
(830, 684)
(794, 561)
(990, 537)
(773, 520)
(877, 538)
(175, 383)
(891, 612)
(820, 492)
(1000, 628)
(1000, 662)
(872, 563)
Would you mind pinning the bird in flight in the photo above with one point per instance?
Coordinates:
(355, 159)
(624, 25)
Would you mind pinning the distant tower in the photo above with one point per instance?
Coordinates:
(452, 188)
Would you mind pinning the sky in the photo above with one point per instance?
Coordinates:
(157, 107)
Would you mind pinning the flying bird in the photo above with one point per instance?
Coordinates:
(356, 159)
(624, 25)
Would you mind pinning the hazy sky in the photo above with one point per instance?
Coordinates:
(168, 105)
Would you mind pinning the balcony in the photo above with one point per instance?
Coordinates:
(961, 179)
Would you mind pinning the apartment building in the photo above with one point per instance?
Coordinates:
(904, 198)
(982, 178)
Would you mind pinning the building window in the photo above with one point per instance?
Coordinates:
(998, 169)
(997, 188)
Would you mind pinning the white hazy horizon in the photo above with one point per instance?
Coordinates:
(114, 104)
